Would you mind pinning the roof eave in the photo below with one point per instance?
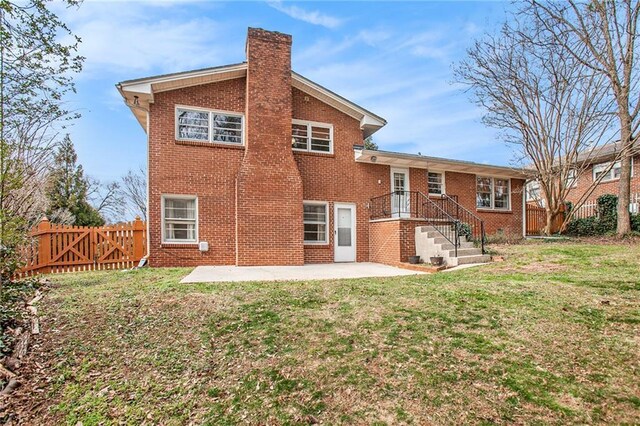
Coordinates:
(398, 159)
(145, 88)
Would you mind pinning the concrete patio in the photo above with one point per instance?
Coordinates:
(331, 271)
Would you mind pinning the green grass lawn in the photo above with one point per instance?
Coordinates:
(551, 335)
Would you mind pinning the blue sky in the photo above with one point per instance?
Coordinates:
(394, 58)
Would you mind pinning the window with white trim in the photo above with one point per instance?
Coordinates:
(201, 125)
(572, 179)
(316, 221)
(179, 219)
(533, 191)
(436, 183)
(612, 174)
(493, 193)
(311, 136)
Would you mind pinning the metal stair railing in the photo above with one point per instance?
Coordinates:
(414, 204)
(465, 219)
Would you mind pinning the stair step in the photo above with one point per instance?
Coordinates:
(436, 228)
(482, 258)
(466, 252)
(463, 245)
(442, 240)
(436, 234)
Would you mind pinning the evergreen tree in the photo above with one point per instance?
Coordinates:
(370, 144)
(67, 191)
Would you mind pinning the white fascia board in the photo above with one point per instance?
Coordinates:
(368, 118)
(444, 164)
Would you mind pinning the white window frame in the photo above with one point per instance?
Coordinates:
(162, 228)
(444, 188)
(210, 111)
(309, 124)
(572, 181)
(493, 194)
(610, 177)
(325, 204)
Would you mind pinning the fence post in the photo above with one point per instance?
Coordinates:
(44, 245)
(138, 239)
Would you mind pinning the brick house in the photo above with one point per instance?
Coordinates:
(253, 164)
(604, 161)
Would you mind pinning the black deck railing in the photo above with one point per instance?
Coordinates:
(448, 217)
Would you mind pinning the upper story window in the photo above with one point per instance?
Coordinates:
(312, 137)
(572, 179)
(493, 193)
(202, 125)
(436, 183)
(612, 174)
(607, 171)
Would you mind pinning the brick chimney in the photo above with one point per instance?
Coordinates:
(269, 229)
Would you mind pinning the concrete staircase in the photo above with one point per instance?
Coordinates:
(430, 242)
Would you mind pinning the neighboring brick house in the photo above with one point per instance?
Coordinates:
(253, 164)
(598, 162)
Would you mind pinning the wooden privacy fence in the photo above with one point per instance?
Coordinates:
(63, 248)
(536, 218)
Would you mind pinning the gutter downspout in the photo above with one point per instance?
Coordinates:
(148, 191)
(146, 255)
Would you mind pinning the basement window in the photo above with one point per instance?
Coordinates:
(493, 193)
(315, 221)
(311, 136)
(203, 125)
(179, 219)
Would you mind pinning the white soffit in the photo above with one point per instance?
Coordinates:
(398, 159)
(144, 89)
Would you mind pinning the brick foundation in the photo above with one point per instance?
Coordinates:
(393, 241)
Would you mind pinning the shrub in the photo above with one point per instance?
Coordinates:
(608, 212)
(605, 221)
(464, 229)
(584, 227)
(635, 222)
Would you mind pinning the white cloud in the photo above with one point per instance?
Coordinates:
(312, 17)
(130, 39)
(432, 44)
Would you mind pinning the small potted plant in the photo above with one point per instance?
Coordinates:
(414, 260)
(437, 260)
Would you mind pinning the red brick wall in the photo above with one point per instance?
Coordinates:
(269, 187)
(612, 187)
(393, 241)
(464, 186)
(337, 177)
(256, 192)
(200, 169)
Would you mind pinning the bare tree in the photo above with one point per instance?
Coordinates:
(36, 71)
(549, 106)
(602, 36)
(133, 186)
(106, 198)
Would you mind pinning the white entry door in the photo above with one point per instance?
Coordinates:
(400, 196)
(345, 232)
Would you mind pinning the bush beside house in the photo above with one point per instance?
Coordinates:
(603, 222)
